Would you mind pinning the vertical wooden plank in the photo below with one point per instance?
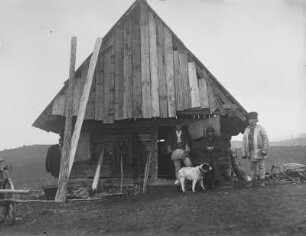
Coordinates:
(58, 106)
(153, 66)
(203, 93)
(217, 99)
(137, 63)
(211, 98)
(177, 82)
(99, 92)
(90, 109)
(127, 70)
(109, 85)
(162, 84)
(119, 72)
(194, 88)
(169, 69)
(184, 80)
(65, 157)
(145, 61)
(77, 92)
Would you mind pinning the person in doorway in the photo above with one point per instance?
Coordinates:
(53, 158)
(179, 145)
(255, 148)
(212, 149)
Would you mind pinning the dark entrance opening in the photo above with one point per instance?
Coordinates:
(165, 164)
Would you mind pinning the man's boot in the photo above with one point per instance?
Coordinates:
(262, 183)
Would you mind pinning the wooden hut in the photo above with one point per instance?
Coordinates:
(145, 80)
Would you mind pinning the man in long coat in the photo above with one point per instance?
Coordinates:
(255, 148)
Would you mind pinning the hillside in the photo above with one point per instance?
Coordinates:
(28, 162)
(285, 143)
(28, 165)
(279, 155)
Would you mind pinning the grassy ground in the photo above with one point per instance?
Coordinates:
(278, 209)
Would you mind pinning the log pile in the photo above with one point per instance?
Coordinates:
(289, 171)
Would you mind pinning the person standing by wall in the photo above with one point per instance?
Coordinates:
(255, 148)
(212, 151)
(53, 158)
(179, 145)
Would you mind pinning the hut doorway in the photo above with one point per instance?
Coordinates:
(165, 165)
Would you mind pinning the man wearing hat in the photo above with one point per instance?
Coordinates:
(255, 148)
(212, 149)
(178, 144)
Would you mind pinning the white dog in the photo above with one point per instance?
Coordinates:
(193, 173)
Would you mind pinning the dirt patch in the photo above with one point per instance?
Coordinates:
(277, 209)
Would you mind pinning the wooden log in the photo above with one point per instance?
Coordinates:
(146, 173)
(15, 191)
(118, 106)
(10, 200)
(98, 170)
(162, 84)
(154, 138)
(153, 66)
(194, 88)
(65, 155)
(121, 172)
(137, 63)
(145, 61)
(169, 70)
(127, 84)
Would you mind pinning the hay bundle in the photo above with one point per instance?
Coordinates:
(291, 171)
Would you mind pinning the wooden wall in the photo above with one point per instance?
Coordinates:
(143, 71)
(110, 138)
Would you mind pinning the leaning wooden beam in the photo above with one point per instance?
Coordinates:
(64, 167)
(146, 174)
(98, 170)
(83, 103)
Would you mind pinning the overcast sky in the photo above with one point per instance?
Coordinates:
(256, 49)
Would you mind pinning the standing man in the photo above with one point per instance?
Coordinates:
(178, 144)
(255, 148)
(212, 149)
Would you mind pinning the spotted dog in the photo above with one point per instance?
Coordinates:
(196, 174)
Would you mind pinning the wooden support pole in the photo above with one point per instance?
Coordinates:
(154, 155)
(64, 167)
(83, 102)
(70, 152)
(98, 170)
(121, 168)
(146, 174)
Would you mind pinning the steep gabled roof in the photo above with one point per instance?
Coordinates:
(143, 71)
